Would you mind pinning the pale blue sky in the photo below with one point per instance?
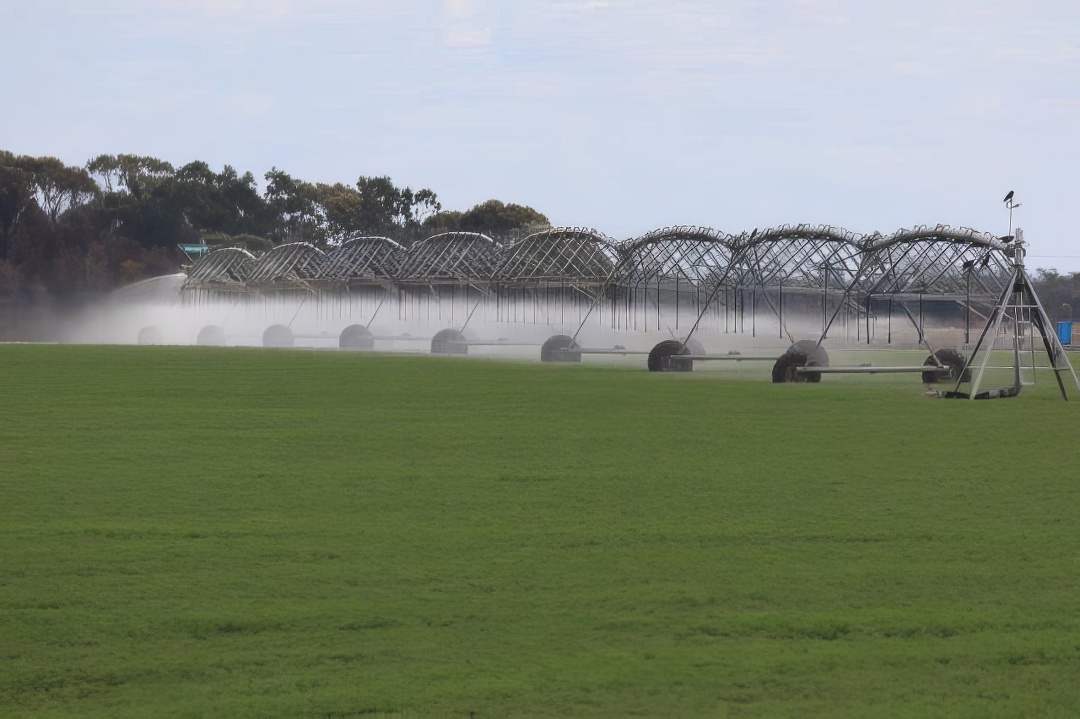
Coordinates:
(622, 115)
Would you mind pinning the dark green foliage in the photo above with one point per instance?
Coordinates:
(492, 217)
(1060, 294)
(73, 230)
(15, 196)
(499, 218)
(225, 201)
(293, 209)
(229, 532)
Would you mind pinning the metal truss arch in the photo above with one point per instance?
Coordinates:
(227, 266)
(779, 280)
(452, 257)
(938, 261)
(573, 255)
(676, 254)
(372, 258)
(290, 265)
(811, 257)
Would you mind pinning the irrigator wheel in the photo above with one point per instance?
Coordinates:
(784, 368)
(278, 336)
(664, 357)
(151, 335)
(356, 337)
(804, 353)
(816, 355)
(555, 350)
(953, 360)
(449, 342)
(211, 336)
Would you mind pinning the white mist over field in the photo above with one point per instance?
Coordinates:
(161, 311)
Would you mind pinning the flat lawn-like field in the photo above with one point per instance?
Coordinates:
(243, 532)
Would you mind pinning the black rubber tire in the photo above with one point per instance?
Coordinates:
(278, 336)
(356, 337)
(555, 350)
(211, 336)
(784, 369)
(816, 355)
(449, 342)
(662, 357)
(956, 363)
(804, 353)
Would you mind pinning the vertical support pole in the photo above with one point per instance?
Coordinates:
(1030, 312)
(726, 308)
(922, 331)
(697, 300)
(869, 304)
(657, 302)
(824, 298)
(781, 313)
(967, 309)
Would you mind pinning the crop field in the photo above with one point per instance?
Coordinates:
(196, 531)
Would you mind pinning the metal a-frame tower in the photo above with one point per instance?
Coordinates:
(1018, 320)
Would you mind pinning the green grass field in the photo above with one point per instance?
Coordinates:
(199, 532)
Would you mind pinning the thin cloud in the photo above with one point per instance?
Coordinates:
(979, 102)
(822, 12)
(469, 23)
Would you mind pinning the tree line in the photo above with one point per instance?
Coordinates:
(1059, 293)
(68, 230)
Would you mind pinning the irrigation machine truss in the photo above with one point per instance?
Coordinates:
(682, 283)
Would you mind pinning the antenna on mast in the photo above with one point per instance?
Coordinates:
(1012, 205)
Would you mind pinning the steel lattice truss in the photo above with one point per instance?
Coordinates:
(676, 255)
(366, 258)
(936, 261)
(801, 257)
(296, 263)
(566, 255)
(228, 266)
(452, 257)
